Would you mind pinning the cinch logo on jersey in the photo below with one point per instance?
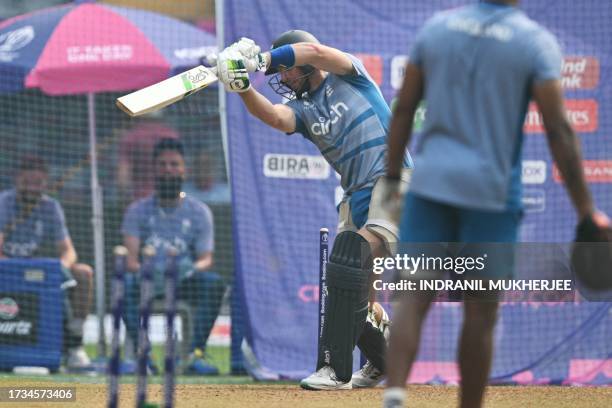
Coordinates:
(295, 166)
(595, 171)
(534, 201)
(580, 73)
(582, 114)
(533, 172)
(322, 127)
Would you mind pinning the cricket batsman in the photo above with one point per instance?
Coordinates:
(334, 103)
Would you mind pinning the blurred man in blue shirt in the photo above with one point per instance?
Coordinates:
(170, 219)
(477, 67)
(32, 225)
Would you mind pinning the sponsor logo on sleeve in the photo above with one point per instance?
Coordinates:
(533, 172)
(582, 114)
(595, 171)
(580, 72)
(295, 166)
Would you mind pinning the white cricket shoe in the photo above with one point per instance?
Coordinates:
(78, 359)
(325, 380)
(393, 403)
(368, 376)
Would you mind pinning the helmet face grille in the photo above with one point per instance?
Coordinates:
(280, 88)
(284, 90)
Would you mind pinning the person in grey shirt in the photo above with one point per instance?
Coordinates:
(32, 225)
(166, 219)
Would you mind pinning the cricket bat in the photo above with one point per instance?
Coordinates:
(168, 91)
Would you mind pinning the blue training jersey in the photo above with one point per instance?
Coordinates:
(479, 63)
(187, 227)
(35, 234)
(347, 118)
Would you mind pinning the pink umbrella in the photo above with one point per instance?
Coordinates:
(89, 47)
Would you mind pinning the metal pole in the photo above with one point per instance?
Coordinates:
(97, 221)
(220, 30)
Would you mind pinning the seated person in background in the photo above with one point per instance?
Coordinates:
(135, 163)
(169, 218)
(203, 183)
(32, 225)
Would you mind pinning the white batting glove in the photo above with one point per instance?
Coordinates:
(253, 59)
(232, 72)
(246, 47)
(211, 60)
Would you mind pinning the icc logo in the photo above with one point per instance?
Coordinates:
(13, 41)
(324, 237)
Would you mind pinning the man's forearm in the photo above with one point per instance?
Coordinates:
(68, 259)
(400, 130)
(399, 136)
(260, 107)
(133, 266)
(565, 150)
(203, 264)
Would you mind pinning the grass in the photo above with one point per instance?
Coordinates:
(219, 356)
